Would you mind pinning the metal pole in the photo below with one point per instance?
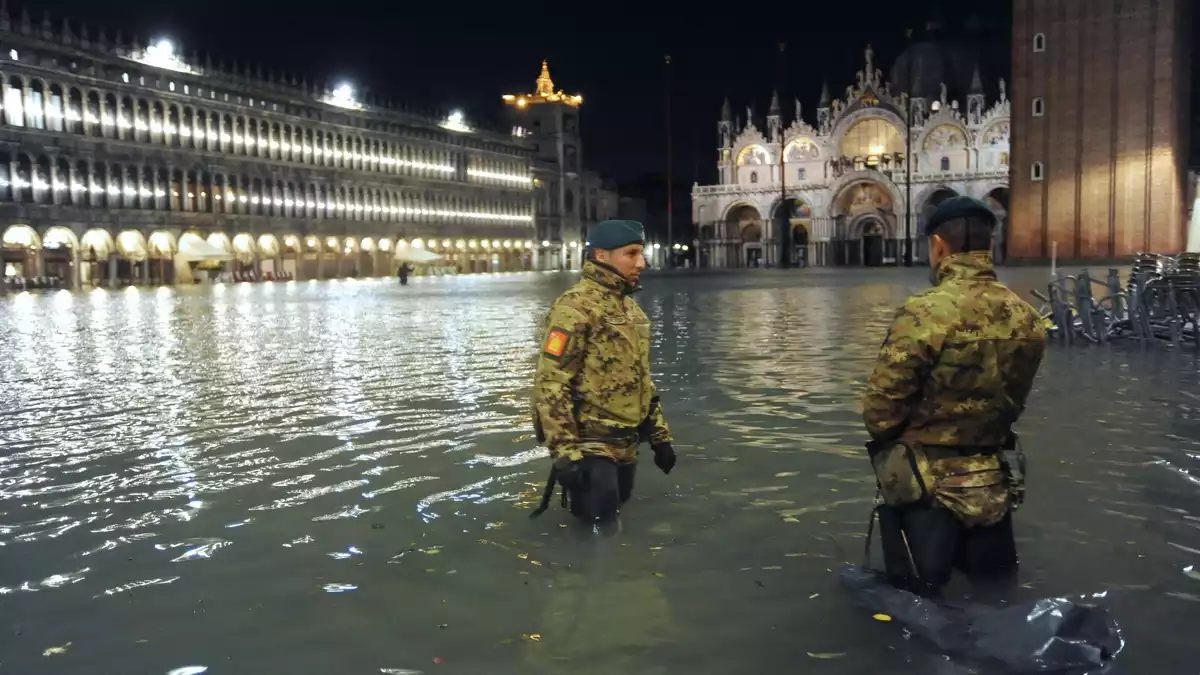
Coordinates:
(670, 235)
(785, 220)
(908, 185)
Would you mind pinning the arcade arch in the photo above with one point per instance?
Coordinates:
(19, 248)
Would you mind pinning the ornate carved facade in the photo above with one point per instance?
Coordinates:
(124, 164)
(844, 183)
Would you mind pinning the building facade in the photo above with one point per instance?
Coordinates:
(843, 187)
(127, 164)
(569, 199)
(1101, 92)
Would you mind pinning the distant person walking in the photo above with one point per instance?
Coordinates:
(403, 273)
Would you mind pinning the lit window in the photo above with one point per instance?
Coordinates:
(12, 54)
(142, 80)
(171, 86)
(1039, 107)
(186, 89)
(1039, 42)
(125, 78)
(1037, 172)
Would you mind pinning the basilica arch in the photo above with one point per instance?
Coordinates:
(997, 198)
(864, 212)
(927, 203)
(744, 225)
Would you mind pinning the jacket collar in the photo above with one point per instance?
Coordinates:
(608, 277)
(967, 266)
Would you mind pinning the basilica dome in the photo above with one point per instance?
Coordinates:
(931, 60)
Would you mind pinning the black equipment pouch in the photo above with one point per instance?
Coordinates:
(902, 472)
(1012, 461)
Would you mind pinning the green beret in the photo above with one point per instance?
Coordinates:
(959, 207)
(612, 234)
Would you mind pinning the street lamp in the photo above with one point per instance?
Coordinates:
(908, 126)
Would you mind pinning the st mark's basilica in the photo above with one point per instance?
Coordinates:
(845, 182)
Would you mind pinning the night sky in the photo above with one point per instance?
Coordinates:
(466, 54)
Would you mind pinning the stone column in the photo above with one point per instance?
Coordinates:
(112, 270)
(536, 263)
(145, 264)
(76, 270)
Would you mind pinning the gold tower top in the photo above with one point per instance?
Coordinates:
(544, 94)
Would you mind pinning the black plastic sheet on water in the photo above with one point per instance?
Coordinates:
(1050, 635)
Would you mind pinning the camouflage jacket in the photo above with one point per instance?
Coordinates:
(593, 387)
(958, 361)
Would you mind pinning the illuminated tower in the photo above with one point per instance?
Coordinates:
(550, 119)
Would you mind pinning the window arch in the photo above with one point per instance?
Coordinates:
(1037, 172)
(753, 176)
(945, 164)
(1039, 42)
(1039, 107)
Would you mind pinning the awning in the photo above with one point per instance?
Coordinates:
(416, 255)
(196, 249)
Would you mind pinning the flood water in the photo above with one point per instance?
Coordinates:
(336, 477)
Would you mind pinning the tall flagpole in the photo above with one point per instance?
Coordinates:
(670, 233)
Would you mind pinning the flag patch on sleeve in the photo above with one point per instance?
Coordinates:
(556, 343)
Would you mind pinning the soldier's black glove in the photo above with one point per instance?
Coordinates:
(664, 456)
(570, 475)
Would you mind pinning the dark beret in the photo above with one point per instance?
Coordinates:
(959, 207)
(612, 234)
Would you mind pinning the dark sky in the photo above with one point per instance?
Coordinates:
(466, 54)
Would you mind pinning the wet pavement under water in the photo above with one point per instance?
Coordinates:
(336, 477)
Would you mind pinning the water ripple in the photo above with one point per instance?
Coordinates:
(189, 474)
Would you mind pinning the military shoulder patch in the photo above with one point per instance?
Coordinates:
(556, 343)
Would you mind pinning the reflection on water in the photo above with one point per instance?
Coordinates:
(335, 477)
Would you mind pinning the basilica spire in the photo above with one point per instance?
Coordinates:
(826, 99)
(726, 111)
(976, 81)
(774, 109)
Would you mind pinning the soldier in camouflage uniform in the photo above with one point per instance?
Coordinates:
(951, 378)
(593, 399)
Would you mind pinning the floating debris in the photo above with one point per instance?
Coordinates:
(54, 651)
(340, 588)
(826, 655)
(882, 617)
(532, 637)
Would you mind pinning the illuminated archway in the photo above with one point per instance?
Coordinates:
(21, 237)
(19, 254)
(162, 247)
(131, 245)
(244, 249)
(97, 244)
(220, 240)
